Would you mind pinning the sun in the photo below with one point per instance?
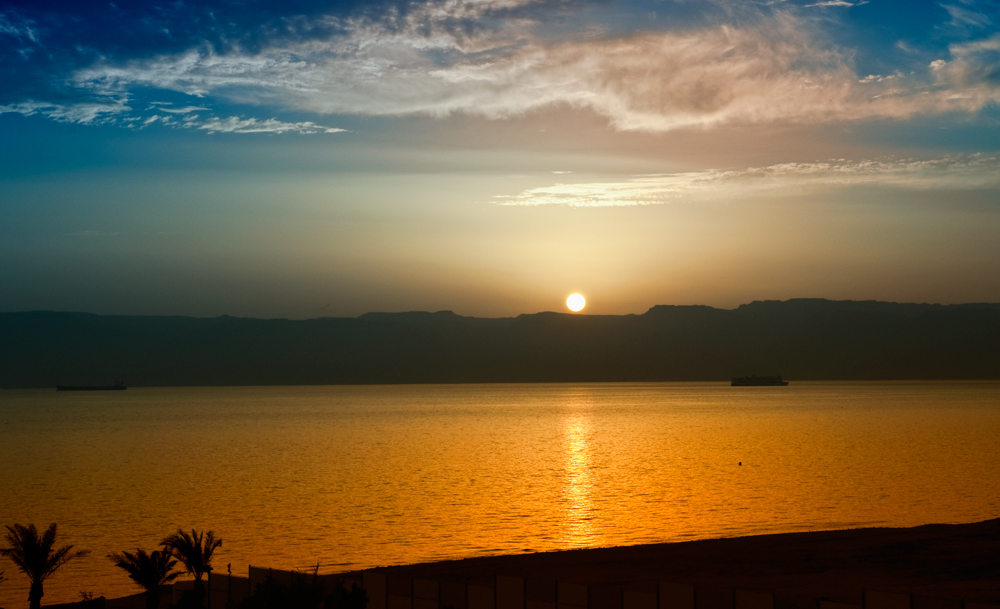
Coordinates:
(575, 302)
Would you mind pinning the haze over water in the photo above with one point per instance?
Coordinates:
(358, 476)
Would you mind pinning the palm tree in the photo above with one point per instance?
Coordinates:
(195, 553)
(148, 570)
(35, 557)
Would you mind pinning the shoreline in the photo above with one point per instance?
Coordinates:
(953, 563)
(956, 561)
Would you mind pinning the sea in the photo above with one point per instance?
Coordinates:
(352, 477)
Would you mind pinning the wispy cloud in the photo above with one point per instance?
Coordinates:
(18, 28)
(253, 125)
(185, 110)
(83, 112)
(974, 67)
(969, 172)
(965, 18)
(103, 112)
(845, 3)
(156, 118)
(774, 70)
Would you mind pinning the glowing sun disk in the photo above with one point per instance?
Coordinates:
(575, 302)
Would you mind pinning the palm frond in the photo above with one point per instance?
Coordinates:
(62, 556)
(150, 570)
(34, 556)
(193, 550)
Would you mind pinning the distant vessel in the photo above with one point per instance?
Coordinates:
(118, 386)
(758, 381)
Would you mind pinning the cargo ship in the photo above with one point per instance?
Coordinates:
(118, 386)
(758, 381)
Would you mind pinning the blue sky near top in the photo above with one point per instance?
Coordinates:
(491, 156)
(191, 63)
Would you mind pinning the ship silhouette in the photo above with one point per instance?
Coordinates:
(758, 381)
(118, 386)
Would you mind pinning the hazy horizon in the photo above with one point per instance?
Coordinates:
(562, 311)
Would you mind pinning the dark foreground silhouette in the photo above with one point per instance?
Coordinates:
(305, 592)
(194, 551)
(925, 567)
(36, 556)
(931, 562)
(151, 571)
(805, 339)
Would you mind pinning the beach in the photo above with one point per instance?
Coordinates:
(938, 566)
(958, 561)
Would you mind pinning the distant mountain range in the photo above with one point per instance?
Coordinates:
(801, 339)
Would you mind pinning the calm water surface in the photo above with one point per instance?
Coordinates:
(354, 477)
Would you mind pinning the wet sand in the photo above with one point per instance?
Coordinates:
(948, 561)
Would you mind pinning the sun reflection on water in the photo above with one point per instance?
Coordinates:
(581, 527)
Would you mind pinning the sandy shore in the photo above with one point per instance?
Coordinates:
(960, 561)
(949, 561)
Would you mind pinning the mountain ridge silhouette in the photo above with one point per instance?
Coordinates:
(801, 339)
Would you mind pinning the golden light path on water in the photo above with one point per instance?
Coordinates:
(355, 477)
(581, 531)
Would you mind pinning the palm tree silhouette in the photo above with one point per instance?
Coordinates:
(35, 557)
(195, 553)
(148, 570)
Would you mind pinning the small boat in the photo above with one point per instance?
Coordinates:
(758, 381)
(118, 386)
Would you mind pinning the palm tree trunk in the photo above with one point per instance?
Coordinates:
(153, 598)
(35, 595)
(199, 592)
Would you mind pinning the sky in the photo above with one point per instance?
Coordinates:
(306, 159)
